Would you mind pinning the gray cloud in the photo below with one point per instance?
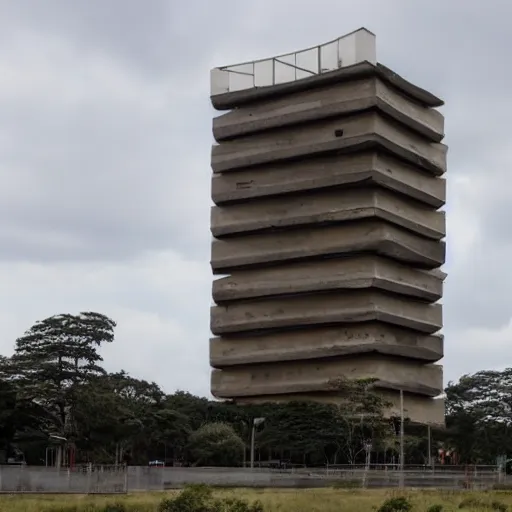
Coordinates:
(105, 133)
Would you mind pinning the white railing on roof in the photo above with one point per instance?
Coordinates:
(344, 51)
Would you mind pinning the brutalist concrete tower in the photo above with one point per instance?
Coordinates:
(327, 180)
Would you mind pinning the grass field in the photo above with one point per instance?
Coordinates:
(320, 500)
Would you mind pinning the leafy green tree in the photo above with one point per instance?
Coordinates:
(306, 429)
(216, 444)
(54, 357)
(479, 415)
(361, 410)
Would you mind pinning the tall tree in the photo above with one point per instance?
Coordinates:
(55, 356)
(361, 410)
(308, 430)
(479, 415)
(216, 444)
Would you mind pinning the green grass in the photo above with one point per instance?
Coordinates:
(319, 500)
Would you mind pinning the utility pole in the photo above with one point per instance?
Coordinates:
(401, 476)
(255, 423)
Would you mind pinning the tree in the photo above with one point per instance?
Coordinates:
(53, 358)
(306, 429)
(479, 415)
(361, 410)
(216, 444)
(55, 384)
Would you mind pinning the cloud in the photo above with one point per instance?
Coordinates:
(481, 348)
(158, 337)
(105, 133)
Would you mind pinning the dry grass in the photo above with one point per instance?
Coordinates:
(319, 500)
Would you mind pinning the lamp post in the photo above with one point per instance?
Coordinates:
(429, 446)
(255, 423)
(401, 476)
(58, 459)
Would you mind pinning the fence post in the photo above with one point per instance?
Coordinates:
(126, 478)
(89, 476)
(137, 478)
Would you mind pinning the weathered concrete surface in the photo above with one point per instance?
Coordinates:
(325, 309)
(325, 342)
(333, 100)
(313, 376)
(366, 236)
(235, 99)
(352, 133)
(436, 272)
(327, 206)
(359, 272)
(419, 409)
(366, 168)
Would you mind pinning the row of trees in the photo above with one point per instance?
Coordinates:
(53, 389)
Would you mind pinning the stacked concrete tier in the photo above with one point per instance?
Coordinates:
(329, 239)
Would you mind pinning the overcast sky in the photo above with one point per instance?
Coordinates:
(105, 133)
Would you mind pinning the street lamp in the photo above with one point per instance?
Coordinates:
(58, 459)
(255, 423)
(402, 455)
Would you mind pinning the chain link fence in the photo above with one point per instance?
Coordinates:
(90, 479)
(86, 479)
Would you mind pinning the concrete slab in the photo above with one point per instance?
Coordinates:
(325, 309)
(325, 342)
(352, 273)
(346, 73)
(333, 100)
(314, 376)
(367, 168)
(308, 243)
(417, 408)
(327, 207)
(349, 134)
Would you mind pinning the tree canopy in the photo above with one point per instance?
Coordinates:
(54, 386)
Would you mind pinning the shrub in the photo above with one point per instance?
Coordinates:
(502, 487)
(397, 504)
(216, 444)
(194, 498)
(199, 498)
(472, 502)
(346, 484)
(436, 507)
(499, 506)
(114, 507)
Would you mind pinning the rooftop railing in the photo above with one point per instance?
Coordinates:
(344, 51)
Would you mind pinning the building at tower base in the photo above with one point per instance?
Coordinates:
(328, 234)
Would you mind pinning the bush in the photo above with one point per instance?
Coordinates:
(502, 487)
(472, 502)
(346, 484)
(216, 444)
(114, 507)
(499, 506)
(199, 498)
(398, 504)
(435, 508)
(194, 498)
